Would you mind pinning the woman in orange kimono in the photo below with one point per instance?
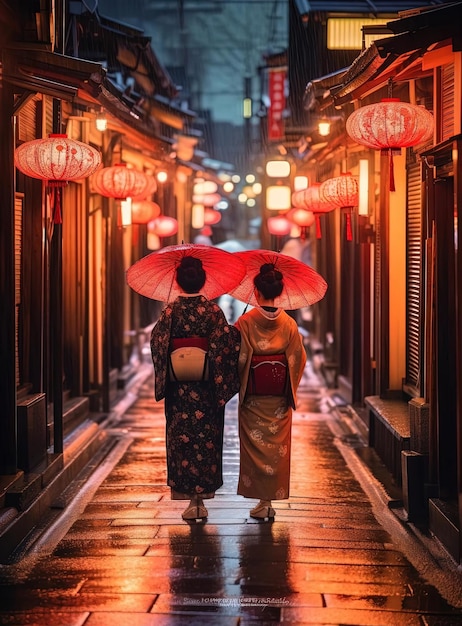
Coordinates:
(265, 413)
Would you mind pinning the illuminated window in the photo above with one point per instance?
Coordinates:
(346, 33)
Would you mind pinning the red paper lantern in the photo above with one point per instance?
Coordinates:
(302, 218)
(310, 199)
(211, 216)
(121, 182)
(57, 160)
(207, 199)
(164, 226)
(279, 226)
(343, 192)
(390, 125)
(143, 211)
(151, 188)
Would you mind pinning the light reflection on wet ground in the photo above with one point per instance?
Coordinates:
(129, 559)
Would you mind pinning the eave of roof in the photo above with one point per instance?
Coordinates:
(133, 48)
(399, 57)
(34, 67)
(39, 70)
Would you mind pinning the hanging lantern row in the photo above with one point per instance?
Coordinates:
(57, 160)
(390, 125)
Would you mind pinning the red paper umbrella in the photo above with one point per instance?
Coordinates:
(390, 125)
(154, 276)
(121, 182)
(343, 192)
(143, 211)
(302, 284)
(57, 160)
(302, 218)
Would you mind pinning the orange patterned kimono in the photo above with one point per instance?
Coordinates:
(265, 422)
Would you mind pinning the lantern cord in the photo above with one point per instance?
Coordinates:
(318, 226)
(391, 171)
(349, 233)
(57, 213)
(390, 88)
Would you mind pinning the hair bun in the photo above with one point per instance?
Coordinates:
(191, 262)
(269, 274)
(190, 274)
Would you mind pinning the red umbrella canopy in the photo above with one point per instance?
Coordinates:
(154, 276)
(302, 284)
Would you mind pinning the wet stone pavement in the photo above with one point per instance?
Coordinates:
(115, 550)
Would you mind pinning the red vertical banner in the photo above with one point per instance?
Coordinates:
(277, 97)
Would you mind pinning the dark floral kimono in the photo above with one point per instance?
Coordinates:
(195, 410)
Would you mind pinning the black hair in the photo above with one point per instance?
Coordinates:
(269, 281)
(190, 275)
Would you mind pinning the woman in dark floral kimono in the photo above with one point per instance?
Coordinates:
(194, 410)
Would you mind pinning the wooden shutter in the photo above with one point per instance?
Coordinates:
(447, 101)
(414, 276)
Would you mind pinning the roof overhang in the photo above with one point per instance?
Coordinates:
(38, 70)
(419, 41)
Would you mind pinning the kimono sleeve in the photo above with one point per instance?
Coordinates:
(224, 347)
(160, 339)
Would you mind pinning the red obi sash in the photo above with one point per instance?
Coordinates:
(268, 375)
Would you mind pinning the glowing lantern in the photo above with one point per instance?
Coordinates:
(57, 160)
(211, 216)
(278, 197)
(143, 211)
(164, 226)
(343, 192)
(121, 182)
(390, 125)
(151, 188)
(207, 199)
(302, 218)
(197, 216)
(313, 201)
(279, 226)
(202, 186)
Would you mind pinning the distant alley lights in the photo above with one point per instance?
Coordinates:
(278, 190)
